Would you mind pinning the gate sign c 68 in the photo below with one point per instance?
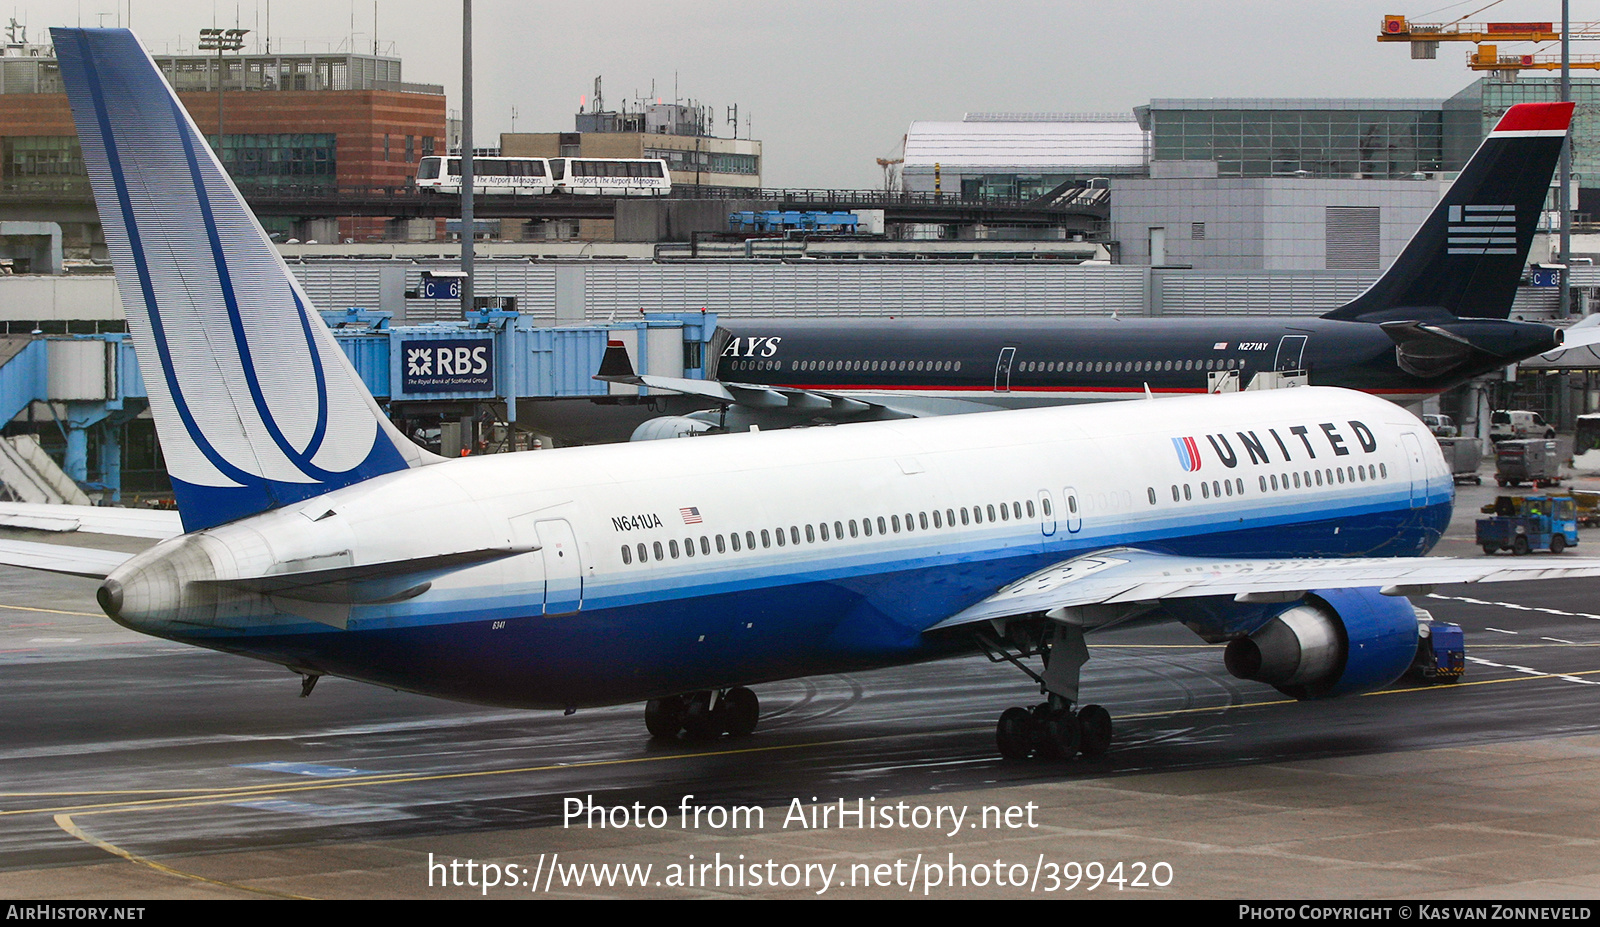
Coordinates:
(447, 365)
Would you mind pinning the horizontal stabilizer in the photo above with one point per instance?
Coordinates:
(58, 558)
(368, 582)
(1126, 576)
(91, 519)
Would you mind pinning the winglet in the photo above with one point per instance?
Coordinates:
(616, 363)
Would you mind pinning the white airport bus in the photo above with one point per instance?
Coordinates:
(489, 175)
(611, 176)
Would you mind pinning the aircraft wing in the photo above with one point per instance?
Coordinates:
(1124, 576)
(1583, 335)
(615, 367)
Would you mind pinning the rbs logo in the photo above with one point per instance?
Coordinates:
(457, 365)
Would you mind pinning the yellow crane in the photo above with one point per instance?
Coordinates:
(1424, 39)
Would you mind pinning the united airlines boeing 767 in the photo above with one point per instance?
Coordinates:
(1288, 524)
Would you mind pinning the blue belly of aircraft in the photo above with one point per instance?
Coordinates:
(631, 643)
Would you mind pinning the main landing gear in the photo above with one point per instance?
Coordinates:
(1052, 729)
(703, 715)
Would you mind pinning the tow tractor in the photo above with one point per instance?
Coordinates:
(1441, 650)
(1526, 523)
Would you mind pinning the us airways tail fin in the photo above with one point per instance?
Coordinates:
(255, 404)
(1468, 256)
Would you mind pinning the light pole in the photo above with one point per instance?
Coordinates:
(221, 40)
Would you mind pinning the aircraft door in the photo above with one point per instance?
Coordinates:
(563, 568)
(1416, 469)
(1074, 512)
(1291, 351)
(1002, 370)
(1047, 514)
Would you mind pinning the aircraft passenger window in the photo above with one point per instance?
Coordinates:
(721, 548)
(1187, 497)
(990, 513)
(688, 547)
(643, 558)
(950, 518)
(811, 535)
(881, 525)
(838, 531)
(1030, 508)
(627, 554)
(1263, 484)
(958, 365)
(1227, 485)
(1297, 481)
(1016, 510)
(733, 538)
(866, 527)
(1383, 470)
(1045, 501)
(1340, 471)
(937, 521)
(923, 518)
(766, 539)
(1005, 512)
(656, 547)
(824, 527)
(1205, 490)
(672, 548)
(1240, 481)
(977, 514)
(781, 539)
(895, 521)
(852, 527)
(705, 545)
(964, 520)
(1174, 494)
(750, 540)
(1152, 492)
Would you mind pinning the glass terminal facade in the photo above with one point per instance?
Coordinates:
(1374, 139)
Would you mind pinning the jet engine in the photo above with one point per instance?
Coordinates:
(1333, 642)
(670, 426)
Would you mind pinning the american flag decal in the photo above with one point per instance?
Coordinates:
(1482, 230)
(691, 515)
(1188, 453)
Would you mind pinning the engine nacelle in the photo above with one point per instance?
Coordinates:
(1334, 642)
(670, 426)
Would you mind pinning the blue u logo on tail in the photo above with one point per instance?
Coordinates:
(256, 406)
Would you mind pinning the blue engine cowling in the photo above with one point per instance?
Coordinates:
(1332, 642)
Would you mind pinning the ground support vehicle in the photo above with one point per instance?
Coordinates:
(1522, 524)
(1465, 456)
(1441, 651)
(1527, 461)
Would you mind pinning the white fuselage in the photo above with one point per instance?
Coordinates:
(678, 564)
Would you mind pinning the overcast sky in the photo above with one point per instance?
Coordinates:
(831, 85)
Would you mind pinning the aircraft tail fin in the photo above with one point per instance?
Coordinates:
(1467, 257)
(256, 406)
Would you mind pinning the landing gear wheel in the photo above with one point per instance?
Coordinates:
(1062, 735)
(1012, 734)
(741, 710)
(663, 717)
(1094, 723)
(1519, 545)
(1558, 543)
(700, 720)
